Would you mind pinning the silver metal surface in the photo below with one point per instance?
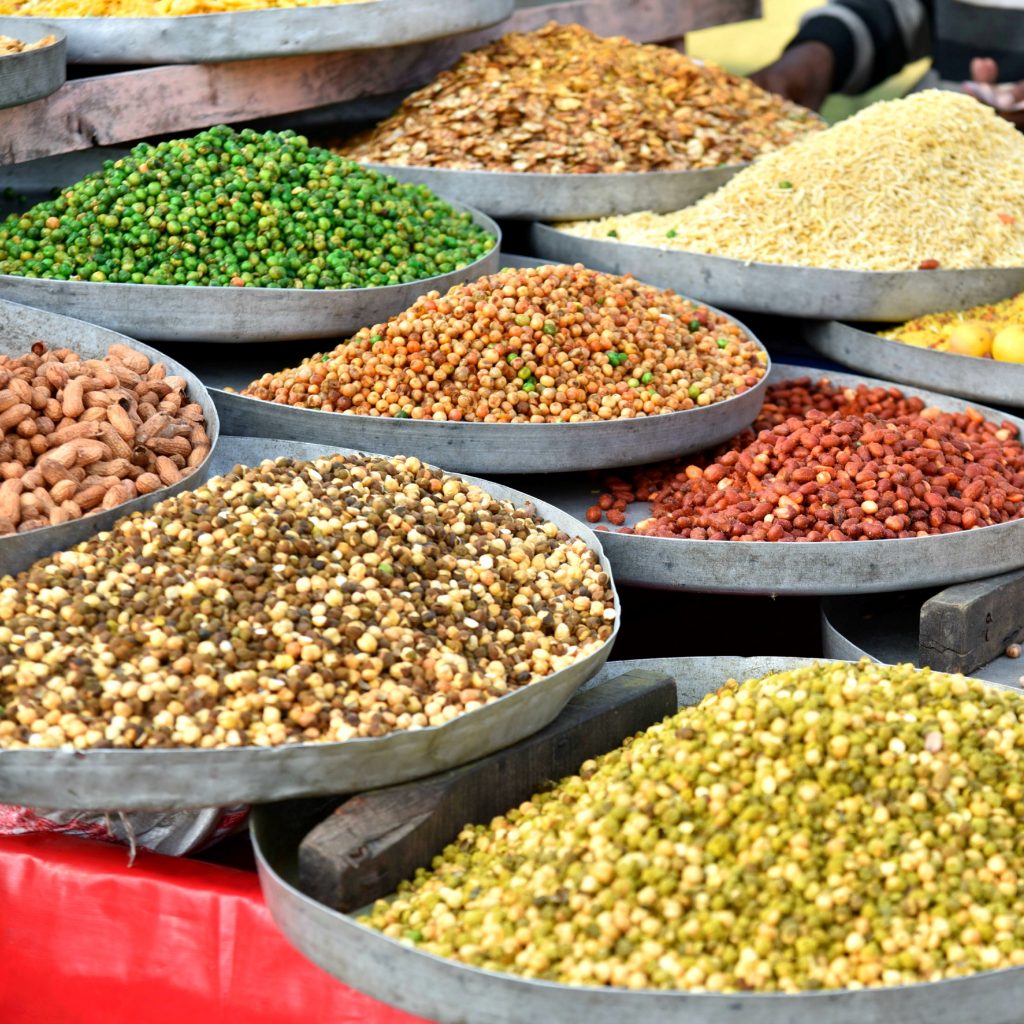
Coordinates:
(31, 75)
(888, 629)
(172, 779)
(452, 993)
(536, 196)
(160, 312)
(809, 292)
(281, 32)
(489, 448)
(983, 380)
(813, 569)
(20, 327)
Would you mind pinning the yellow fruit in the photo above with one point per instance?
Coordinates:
(1008, 346)
(971, 339)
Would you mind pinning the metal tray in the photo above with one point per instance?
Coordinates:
(29, 76)
(244, 35)
(886, 629)
(814, 569)
(162, 312)
(173, 779)
(534, 196)
(452, 993)
(983, 380)
(810, 292)
(491, 448)
(20, 326)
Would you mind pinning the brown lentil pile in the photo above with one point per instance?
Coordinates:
(79, 436)
(827, 463)
(294, 601)
(536, 345)
(563, 100)
(826, 827)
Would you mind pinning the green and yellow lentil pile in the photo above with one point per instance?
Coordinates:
(826, 827)
(244, 209)
(294, 602)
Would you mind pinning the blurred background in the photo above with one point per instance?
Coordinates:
(749, 45)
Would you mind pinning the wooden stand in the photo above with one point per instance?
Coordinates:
(121, 107)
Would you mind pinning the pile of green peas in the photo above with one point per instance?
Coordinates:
(240, 208)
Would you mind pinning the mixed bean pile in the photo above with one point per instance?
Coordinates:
(826, 827)
(294, 601)
(78, 436)
(563, 100)
(827, 463)
(544, 344)
(240, 209)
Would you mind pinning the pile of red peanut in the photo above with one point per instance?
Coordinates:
(832, 463)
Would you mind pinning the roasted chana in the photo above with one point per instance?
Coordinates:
(835, 826)
(294, 601)
(546, 344)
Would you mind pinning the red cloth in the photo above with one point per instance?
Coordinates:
(86, 939)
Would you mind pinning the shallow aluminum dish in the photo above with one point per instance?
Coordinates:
(284, 32)
(813, 569)
(532, 195)
(172, 779)
(490, 448)
(20, 327)
(887, 629)
(162, 312)
(810, 292)
(29, 76)
(452, 993)
(983, 380)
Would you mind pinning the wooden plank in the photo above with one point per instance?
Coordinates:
(967, 626)
(125, 106)
(375, 840)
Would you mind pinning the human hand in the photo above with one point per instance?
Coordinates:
(1007, 98)
(802, 74)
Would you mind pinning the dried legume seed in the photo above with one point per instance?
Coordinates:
(240, 209)
(849, 826)
(543, 344)
(563, 100)
(290, 602)
(74, 439)
(836, 464)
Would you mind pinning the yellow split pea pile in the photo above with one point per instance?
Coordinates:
(562, 100)
(542, 345)
(294, 601)
(827, 827)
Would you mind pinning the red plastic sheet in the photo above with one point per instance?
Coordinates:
(86, 939)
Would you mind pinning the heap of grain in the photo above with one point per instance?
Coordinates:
(294, 601)
(826, 827)
(935, 180)
(539, 345)
(562, 100)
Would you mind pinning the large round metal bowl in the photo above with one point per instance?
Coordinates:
(20, 326)
(32, 74)
(530, 195)
(812, 292)
(162, 312)
(449, 992)
(982, 380)
(173, 778)
(278, 32)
